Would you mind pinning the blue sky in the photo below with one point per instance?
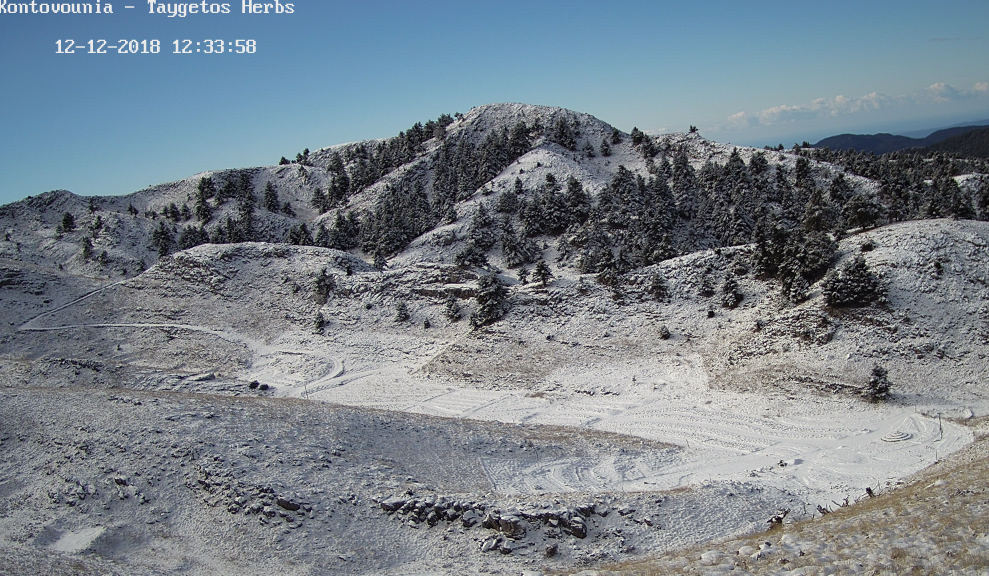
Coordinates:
(744, 72)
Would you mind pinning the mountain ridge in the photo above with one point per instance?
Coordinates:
(884, 143)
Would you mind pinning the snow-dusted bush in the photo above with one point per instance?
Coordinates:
(877, 389)
(853, 285)
(402, 312)
(492, 300)
(731, 296)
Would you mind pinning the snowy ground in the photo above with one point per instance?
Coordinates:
(573, 433)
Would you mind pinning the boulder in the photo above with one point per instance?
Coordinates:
(288, 504)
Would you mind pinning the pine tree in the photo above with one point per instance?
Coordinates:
(854, 285)
(271, 201)
(87, 248)
(319, 201)
(731, 296)
(471, 257)
(481, 232)
(319, 323)
(451, 307)
(492, 300)
(68, 223)
(862, 212)
(380, 262)
(542, 273)
(563, 134)
(402, 313)
(246, 222)
(324, 285)
(518, 142)
(516, 249)
(508, 202)
(322, 238)
(577, 202)
(659, 288)
(300, 235)
(878, 387)
(192, 236)
(163, 239)
(205, 190)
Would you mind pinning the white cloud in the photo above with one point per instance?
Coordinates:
(843, 105)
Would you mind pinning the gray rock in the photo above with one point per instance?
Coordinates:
(392, 504)
(288, 504)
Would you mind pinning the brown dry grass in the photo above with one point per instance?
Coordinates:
(937, 523)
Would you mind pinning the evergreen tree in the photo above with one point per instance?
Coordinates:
(192, 236)
(246, 222)
(854, 285)
(471, 257)
(563, 134)
(319, 323)
(300, 235)
(380, 262)
(862, 212)
(508, 202)
(271, 202)
(523, 276)
(637, 136)
(684, 185)
(402, 313)
(346, 231)
(322, 238)
(518, 142)
(319, 201)
(542, 273)
(68, 223)
(577, 203)
(731, 296)
(481, 232)
(820, 215)
(205, 190)
(451, 307)
(492, 300)
(878, 387)
(956, 203)
(87, 247)
(163, 239)
(659, 288)
(815, 252)
(605, 148)
(323, 286)
(516, 249)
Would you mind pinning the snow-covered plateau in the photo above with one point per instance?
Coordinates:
(255, 407)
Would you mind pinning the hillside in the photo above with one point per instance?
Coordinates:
(887, 143)
(970, 144)
(517, 339)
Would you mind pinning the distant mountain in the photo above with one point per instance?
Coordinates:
(929, 131)
(884, 143)
(974, 143)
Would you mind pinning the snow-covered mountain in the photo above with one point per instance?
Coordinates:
(518, 339)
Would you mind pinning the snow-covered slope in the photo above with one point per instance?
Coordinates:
(320, 415)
